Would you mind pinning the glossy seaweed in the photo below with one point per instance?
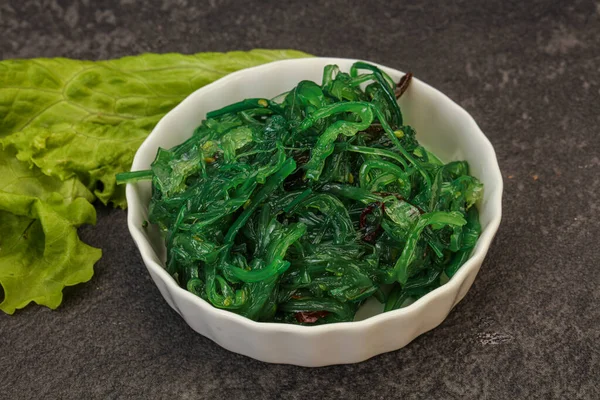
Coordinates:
(297, 209)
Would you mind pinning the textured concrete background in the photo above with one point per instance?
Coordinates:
(529, 72)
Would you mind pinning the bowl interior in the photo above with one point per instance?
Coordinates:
(442, 127)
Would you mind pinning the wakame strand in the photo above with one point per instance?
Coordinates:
(389, 92)
(134, 176)
(272, 182)
(398, 145)
(241, 106)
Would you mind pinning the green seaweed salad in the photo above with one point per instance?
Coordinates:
(300, 208)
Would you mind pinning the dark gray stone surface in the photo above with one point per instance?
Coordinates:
(529, 72)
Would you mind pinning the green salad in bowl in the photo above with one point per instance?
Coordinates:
(298, 209)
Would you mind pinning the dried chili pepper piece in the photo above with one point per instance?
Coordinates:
(403, 84)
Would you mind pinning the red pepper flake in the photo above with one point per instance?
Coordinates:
(366, 211)
(375, 129)
(403, 84)
(371, 236)
(310, 317)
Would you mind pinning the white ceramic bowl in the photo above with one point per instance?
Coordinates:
(442, 127)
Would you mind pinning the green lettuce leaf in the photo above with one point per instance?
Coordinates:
(40, 252)
(66, 128)
(86, 119)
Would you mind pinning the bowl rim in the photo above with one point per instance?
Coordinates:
(483, 243)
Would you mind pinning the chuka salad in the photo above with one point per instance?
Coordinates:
(299, 208)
